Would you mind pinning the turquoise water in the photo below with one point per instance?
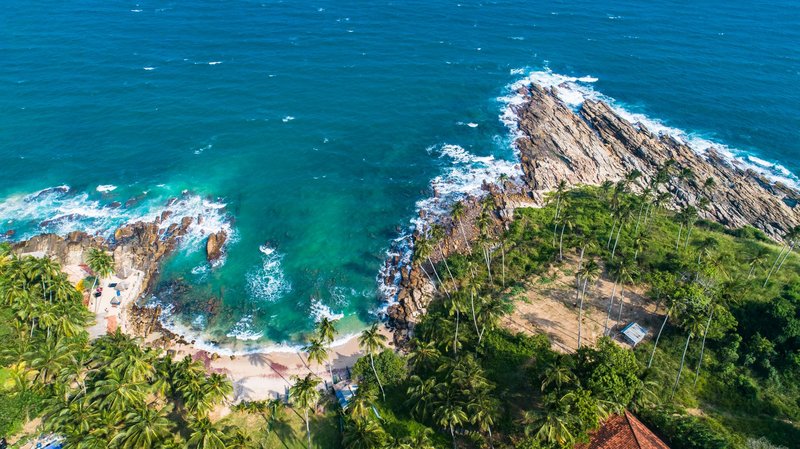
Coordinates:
(310, 131)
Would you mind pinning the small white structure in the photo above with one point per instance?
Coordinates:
(634, 333)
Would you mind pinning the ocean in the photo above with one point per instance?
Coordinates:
(311, 131)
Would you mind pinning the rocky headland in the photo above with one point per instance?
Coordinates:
(590, 146)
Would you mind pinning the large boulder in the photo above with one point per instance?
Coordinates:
(214, 245)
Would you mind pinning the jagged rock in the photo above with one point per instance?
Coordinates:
(214, 245)
(595, 144)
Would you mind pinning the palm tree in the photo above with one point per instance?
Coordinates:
(450, 414)
(483, 408)
(373, 341)
(691, 322)
(304, 394)
(791, 238)
(437, 234)
(363, 434)
(317, 352)
(423, 355)
(239, 440)
(144, 428)
(557, 373)
(360, 408)
(589, 273)
(550, 427)
(712, 308)
(567, 221)
(422, 251)
(586, 240)
(624, 213)
(490, 312)
(102, 264)
(204, 435)
(626, 273)
(671, 306)
(558, 194)
(326, 330)
(756, 259)
(457, 213)
(484, 223)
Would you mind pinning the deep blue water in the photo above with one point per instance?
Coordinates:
(319, 125)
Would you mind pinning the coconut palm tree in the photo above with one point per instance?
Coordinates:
(102, 264)
(326, 330)
(558, 374)
(691, 322)
(457, 213)
(422, 251)
(625, 213)
(484, 223)
(420, 393)
(304, 394)
(437, 234)
(423, 355)
(360, 408)
(239, 440)
(205, 435)
(756, 259)
(364, 434)
(567, 221)
(483, 408)
(622, 274)
(318, 353)
(373, 341)
(589, 273)
(145, 428)
(449, 413)
(558, 195)
(490, 313)
(791, 238)
(671, 305)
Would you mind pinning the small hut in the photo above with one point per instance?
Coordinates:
(634, 333)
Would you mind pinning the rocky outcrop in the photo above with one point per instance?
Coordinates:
(136, 246)
(588, 147)
(214, 245)
(595, 144)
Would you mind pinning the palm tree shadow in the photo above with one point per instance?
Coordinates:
(283, 431)
(240, 390)
(258, 359)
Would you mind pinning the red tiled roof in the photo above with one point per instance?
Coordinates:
(623, 432)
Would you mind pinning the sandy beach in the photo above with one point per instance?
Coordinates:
(254, 376)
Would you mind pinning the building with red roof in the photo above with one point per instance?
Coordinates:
(623, 432)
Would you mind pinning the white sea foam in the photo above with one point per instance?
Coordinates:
(61, 211)
(244, 330)
(319, 311)
(149, 68)
(215, 62)
(288, 118)
(105, 188)
(472, 125)
(573, 91)
(267, 283)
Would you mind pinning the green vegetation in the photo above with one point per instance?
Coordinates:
(109, 393)
(721, 371)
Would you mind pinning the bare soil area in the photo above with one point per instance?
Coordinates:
(550, 305)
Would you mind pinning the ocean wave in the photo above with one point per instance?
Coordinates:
(245, 330)
(60, 210)
(573, 91)
(464, 176)
(268, 282)
(319, 311)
